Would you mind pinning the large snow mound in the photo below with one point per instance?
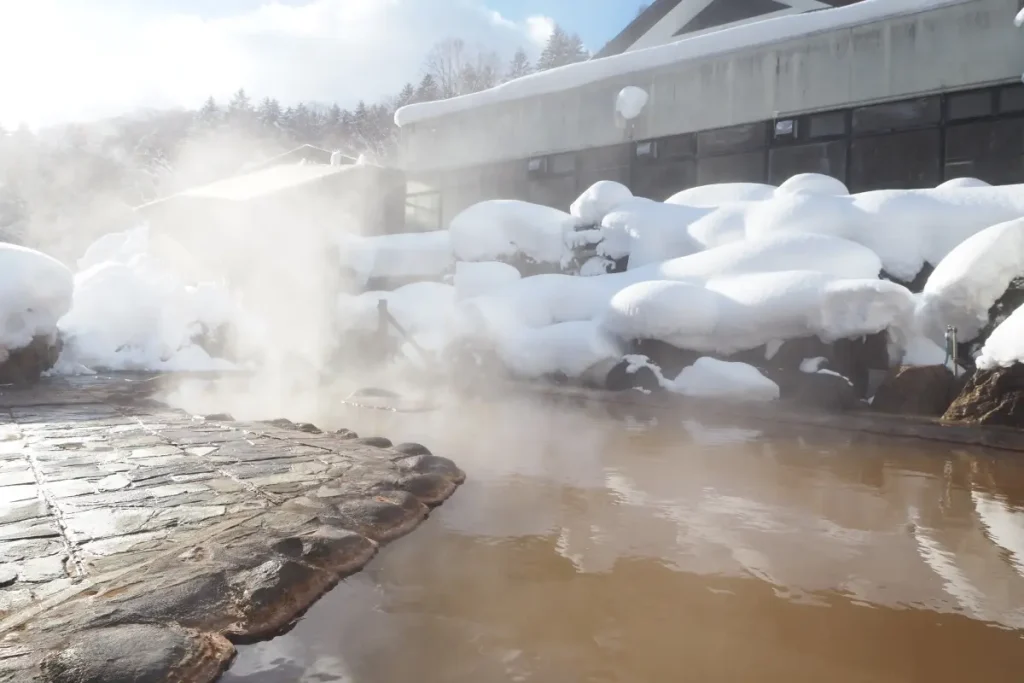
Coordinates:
(814, 183)
(402, 255)
(35, 291)
(740, 312)
(131, 317)
(717, 194)
(712, 378)
(502, 228)
(483, 277)
(1005, 346)
(648, 232)
(424, 310)
(598, 200)
(970, 279)
(570, 348)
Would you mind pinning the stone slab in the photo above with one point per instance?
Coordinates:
(124, 521)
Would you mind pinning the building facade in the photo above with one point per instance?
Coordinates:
(927, 92)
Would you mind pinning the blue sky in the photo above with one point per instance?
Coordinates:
(597, 21)
(99, 58)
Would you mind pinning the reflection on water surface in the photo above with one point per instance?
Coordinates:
(592, 545)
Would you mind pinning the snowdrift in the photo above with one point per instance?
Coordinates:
(35, 291)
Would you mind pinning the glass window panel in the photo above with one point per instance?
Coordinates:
(898, 160)
(878, 118)
(733, 168)
(826, 125)
(968, 105)
(733, 139)
(828, 158)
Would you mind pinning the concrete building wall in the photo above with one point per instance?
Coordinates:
(952, 47)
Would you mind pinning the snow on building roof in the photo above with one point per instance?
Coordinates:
(263, 182)
(730, 39)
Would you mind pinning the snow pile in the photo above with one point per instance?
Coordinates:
(484, 277)
(133, 316)
(813, 183)
(630, 102)
(35, 291)
(1005, 346)
(740, 312)
(648, 232)
(403, 255)
(599, 200)
(424, 310)
(972, 277)
(711, 378)
(497, 229)
(570, 349)
(719, 194)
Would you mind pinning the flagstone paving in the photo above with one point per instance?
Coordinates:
(124, 522)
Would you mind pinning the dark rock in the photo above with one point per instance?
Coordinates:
(25, 365)
(855, 358)
(207, 601)
(411, 449)
(822, 391)
(8, 575)
(793, 352)
(669, 358)
(281, 422)
(917, 284)
(347, 434)
(383, 517)
(308, 427)
(991, 397)
(374, 441)
(923, 390)
(136, 653)
(336, 550)
(621, 379)
(219, 417)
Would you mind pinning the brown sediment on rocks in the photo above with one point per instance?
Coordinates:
(188, 534)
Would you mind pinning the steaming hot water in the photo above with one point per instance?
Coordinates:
(590, 544)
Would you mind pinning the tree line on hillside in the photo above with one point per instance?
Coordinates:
(67, 184)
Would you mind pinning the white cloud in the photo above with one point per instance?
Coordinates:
(66, 60)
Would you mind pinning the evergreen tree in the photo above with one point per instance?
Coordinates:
(209, 113)
(562, 49)
(407, 95)
(269, 112)
(519, 66)
(239, 104)
(427, 91)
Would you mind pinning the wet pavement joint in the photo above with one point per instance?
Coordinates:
(122, 520)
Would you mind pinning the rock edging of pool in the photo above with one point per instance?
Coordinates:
(137, 543)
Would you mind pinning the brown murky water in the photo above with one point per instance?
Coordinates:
(588, 545)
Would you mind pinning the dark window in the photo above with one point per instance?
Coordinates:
(990, 150)
(828, 158)
(879, 118)
(661, 181)
(502, 181)
(733, 168)
(605, 157)
(733, 139)
(559, 164)
(677, 147)
(556, 191)
(1011, 99)
(985, 139)
(897, 160)
(969, 105)
(826, 125)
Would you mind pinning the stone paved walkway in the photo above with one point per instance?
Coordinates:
(137, 543)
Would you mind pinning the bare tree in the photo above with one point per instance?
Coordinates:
(445, 63)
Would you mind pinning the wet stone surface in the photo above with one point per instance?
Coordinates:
(123, 521)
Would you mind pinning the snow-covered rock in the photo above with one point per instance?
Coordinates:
(484, 277)
(598, 200)
(814, 183)
(970, 279)
(35, 291)
(500, 228)
(718, 194)
(711, 378)
(648, 232)
(401, 256)
(1005, 346)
